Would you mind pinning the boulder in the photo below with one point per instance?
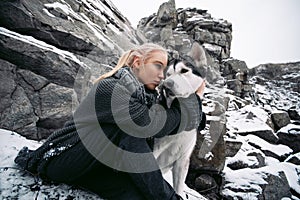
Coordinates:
(277, 151)
(290, 136)
(257, 184)
(295, 159)
(280, 119)
(251, 120)
(42, 80)
(232, 147)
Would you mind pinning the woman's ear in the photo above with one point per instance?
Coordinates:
(136, 62)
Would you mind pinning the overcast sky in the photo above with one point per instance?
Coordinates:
(264, 31)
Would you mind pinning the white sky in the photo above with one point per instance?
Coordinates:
(264, 31)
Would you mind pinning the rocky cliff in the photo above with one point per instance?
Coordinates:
(51, 51)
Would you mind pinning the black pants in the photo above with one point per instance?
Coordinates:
(78, 167)
(112, 185)
(92, 175)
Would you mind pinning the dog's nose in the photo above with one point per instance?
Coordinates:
(169, 83)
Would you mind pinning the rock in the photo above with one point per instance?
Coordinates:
(262, 178)
(233, 66)
(236, 73)
(251, 120)
(295, 159)
(254, 159)
(277, 187)
(232, 147)
(209, 152)
(279, 81)
(260, 158)
(98, 26)
(204, 182)
(294, 114)
(196, 23)
(167, 14)
(257, 184)
(278, 151)
(290, 136)
(48, 42)
(30, 66)
(280, 119)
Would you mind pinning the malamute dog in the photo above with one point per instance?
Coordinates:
(173, 152)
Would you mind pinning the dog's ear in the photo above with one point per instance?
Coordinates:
(198, 54)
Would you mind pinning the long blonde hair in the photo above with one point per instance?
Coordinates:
(144, 52)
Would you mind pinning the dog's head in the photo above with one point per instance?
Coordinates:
(183, 77)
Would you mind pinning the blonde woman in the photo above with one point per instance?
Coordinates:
(107, 146)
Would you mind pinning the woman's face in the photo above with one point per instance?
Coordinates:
(151, 72)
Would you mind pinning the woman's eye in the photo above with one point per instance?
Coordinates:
(159, 66)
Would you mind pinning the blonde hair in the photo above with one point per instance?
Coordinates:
(144, 52)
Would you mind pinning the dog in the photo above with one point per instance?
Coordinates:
(173, 152)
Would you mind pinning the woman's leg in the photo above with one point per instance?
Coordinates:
(109, 184)
(96, 177)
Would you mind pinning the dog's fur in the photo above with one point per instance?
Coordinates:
(173, 152)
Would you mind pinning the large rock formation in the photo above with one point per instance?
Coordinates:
(49, 52)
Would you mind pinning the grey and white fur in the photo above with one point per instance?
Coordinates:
(173, 152)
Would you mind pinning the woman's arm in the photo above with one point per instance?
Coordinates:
(134, 117)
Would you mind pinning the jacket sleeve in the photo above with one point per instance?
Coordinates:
(132, 115)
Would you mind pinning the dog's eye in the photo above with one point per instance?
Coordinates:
(183, 71)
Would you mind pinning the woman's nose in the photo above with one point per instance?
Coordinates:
(161, 74)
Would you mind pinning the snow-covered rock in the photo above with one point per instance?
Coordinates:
(290, 135)
(250, 120)
(272, 180)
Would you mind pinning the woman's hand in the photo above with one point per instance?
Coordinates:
(200, 90)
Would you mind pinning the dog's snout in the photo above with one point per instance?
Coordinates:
(169, 83)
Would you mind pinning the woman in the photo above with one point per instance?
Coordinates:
(106, 147)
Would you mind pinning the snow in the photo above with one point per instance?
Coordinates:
(66, 9)
(278, 149)
(251, 178)
(48, 13)
(196, 18)
(290, 129)
(211, 47)
(247, 119)
(247, 179)
(11, 143)
(297, 155)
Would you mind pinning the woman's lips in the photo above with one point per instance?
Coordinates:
(156, 82)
